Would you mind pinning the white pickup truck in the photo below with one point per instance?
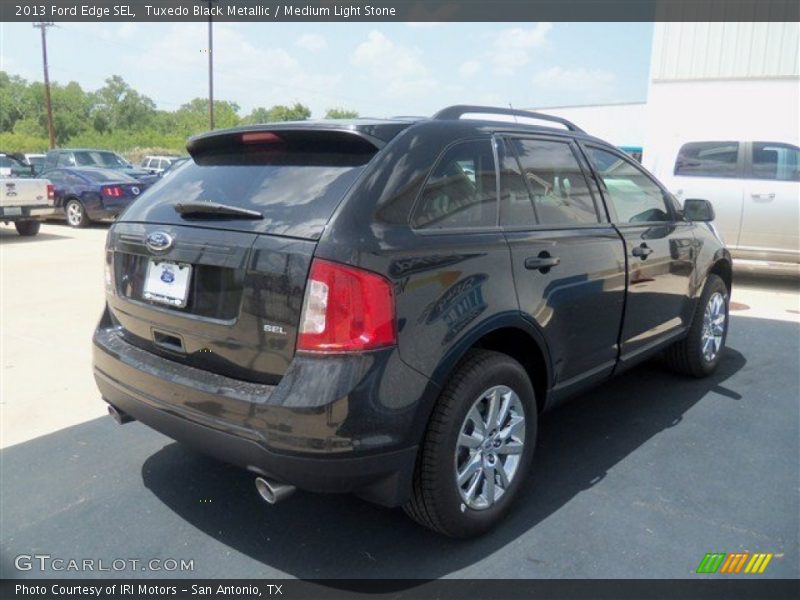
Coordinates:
(25, 202)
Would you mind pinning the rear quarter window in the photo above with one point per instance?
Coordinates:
(461, 190)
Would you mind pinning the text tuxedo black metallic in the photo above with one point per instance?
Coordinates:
(385, 306)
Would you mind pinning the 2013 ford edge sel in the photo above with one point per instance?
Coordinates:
(385, 306)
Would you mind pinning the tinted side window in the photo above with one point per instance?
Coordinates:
(772, 160)
(461, 191)
(516, 204)
(708, 159)
(634, 196)
(65, 159)
(558, 192)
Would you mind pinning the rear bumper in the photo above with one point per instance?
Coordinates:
(335, 424)
(20, 213)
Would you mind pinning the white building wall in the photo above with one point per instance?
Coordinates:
(691, 51)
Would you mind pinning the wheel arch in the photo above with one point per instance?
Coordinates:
(722, 266)
(511, 334)
(70, 198)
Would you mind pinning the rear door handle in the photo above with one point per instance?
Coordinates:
(642, 251)
(544, 262)
(767, 197)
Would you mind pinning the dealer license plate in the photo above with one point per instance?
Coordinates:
(167, 282)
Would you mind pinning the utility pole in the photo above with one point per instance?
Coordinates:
(210, 67)
(43, 25)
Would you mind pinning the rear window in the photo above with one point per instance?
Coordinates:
(708, 159)
(295, 180)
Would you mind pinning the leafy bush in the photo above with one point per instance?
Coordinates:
(20, 142)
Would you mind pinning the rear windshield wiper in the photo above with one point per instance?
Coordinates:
(209, 209)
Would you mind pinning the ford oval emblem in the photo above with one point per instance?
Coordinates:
(158, 241)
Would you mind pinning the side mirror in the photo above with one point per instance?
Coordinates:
(697, 209)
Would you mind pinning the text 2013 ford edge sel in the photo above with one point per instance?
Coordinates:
(384, 307)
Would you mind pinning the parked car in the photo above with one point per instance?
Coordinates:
(36, 161)
(176, 162)
(754, 187)
(385, 307)
(157, 164)
(25, 202)
(86, 194)
(104, 159)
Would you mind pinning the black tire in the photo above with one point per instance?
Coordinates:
(436, 500)
(76, 214)
(27, 228)
(686, 356)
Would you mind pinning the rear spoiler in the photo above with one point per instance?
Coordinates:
(311, 137)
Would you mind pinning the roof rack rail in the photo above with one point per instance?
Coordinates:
(459, 110)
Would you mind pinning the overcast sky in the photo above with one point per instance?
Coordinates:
(378, 69)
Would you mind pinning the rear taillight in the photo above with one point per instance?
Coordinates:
(51, 193)
(345, 310)
(112, 191)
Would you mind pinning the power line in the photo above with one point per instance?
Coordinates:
(43, 25)
(210, 66)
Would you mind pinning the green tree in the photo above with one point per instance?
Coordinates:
(71, 107)
(341, 113)
(278, 113)
(118, 106)
(192, 117)
(16, 101)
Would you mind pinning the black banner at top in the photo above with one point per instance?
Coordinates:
(398, 10)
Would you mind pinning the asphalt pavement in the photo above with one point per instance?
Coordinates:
(638, 478)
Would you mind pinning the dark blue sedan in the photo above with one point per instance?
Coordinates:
(89, 194)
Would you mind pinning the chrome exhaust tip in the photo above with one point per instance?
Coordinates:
(271, 491)
(120, 417)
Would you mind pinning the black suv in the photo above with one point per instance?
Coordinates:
(385, 306)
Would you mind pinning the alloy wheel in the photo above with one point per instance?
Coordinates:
(714, 321)
(489, 447)
(74, 214)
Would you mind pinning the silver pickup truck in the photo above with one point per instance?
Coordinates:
(26, 201)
